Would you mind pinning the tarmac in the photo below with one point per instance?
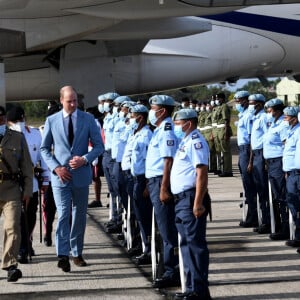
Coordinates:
(243, 264)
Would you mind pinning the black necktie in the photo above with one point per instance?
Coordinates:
(70, 131)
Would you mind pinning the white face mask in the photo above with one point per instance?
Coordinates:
(133, 123)
(115, 110)
(286, 123)
(217, 102)
(122, 115)
(19, 126)
(152, 116)
(201, 108)
(207, 108)
(183, 105)
(101, 108)
(299, 117)
(212, 103)
(106, 107)
(251, 108)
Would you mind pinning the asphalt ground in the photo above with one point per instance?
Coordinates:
(243, 264)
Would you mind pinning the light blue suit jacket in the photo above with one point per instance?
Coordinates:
(56, 151)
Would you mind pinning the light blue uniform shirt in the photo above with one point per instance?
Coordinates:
(192, 151)
(244, 128)
(274, 138)
(297, 150)
(163, 144)
(108, 126)
(126, 159)
(259, 128)
(139, 150)
(119, 139)
(289, 151)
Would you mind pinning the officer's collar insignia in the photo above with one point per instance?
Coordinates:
(195, 136)
(198, 145)
(168, 126)
(170, 142)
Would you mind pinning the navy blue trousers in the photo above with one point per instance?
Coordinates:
(293, 198)
(165, 219)
(193, 244)
(248, 183)
(260, 177)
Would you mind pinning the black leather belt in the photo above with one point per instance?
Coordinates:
(293, 172)
(184, 194)
(271, 160)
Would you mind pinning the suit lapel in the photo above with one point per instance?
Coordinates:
(61, 128)
(79, 126)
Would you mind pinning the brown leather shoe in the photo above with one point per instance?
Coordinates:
(79, 261)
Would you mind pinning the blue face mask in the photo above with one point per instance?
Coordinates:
(179, 132)
(152, 117)
(251, 108)
(239, 107)
(2, 129)
(270, 118)
(133, 123)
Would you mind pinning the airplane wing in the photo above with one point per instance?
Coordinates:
(51, 24)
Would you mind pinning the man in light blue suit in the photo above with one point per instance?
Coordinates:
(65, 150)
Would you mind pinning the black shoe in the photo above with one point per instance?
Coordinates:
(217, 172)
(135, 251)
(121, 237)
(262, 229)
(279, 236)
(248, 224)
(180, 296)
(195, 296)
(94, 204)
(298, 250)
(13, 274)
(47, 241)
(64, 264)
(293, 243)
(114, 229)
(22, 259)
(110, 223)
(144, 259)
(165, 282)
(226, 174)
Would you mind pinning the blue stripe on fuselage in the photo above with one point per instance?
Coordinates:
(274, 24)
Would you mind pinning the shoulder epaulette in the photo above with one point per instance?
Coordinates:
(168, 126)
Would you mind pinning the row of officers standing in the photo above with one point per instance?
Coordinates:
(165, 168)
(268, 136)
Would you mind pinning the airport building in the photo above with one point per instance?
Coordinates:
(288, 91)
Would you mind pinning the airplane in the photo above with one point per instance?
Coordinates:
(141, 46)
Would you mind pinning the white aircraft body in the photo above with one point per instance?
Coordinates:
(138, 46)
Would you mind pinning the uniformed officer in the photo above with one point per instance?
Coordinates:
(189, 178)
(207, 134)
(185, 102)
(224, 133)
(214, 133)
(16, 172)
(273, 142)
(288, 164)
(141, 199)
(202, 117)
(33, 138)
(159, 161)
(294, 181)
(243, 138)
(257, 163)
(119, 139)
(109, 122)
